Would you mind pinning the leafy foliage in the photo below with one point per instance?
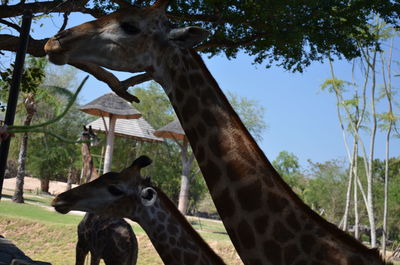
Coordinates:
(292, 33)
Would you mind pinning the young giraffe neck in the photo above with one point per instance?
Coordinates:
(172, 236)
(267, 222)
(89, 171)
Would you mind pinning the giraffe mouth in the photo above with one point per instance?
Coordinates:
(61, 206)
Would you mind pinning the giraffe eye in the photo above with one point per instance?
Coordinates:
(129, 28)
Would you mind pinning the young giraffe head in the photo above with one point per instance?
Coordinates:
(99, 195)
(130, 39)
(89, 135)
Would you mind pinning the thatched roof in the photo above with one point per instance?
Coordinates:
(112, 104)
(138, 129)
(172, 130)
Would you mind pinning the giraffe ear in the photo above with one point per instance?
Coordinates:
(188, 37)
(148, 196)
(141, 162)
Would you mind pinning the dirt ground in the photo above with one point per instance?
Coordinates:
(33, 184)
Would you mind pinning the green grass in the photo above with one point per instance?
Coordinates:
(50, 236)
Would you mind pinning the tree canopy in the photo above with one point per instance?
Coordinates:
(289, 33)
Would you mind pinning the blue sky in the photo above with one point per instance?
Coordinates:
(301, 119)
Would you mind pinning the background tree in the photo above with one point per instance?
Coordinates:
(288, 166)
(353, 103)
(32, 78)
(290, 34)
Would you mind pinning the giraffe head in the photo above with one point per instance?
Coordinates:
(100, 195)
(89, 135)
(130, 39)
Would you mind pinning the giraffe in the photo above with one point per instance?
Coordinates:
(88, 169)
(110, 239)
(266, 221)
(129, 194)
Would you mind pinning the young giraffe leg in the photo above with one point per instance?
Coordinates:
(81, 253)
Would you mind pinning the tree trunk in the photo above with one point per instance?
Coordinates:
(109, 145)
(44, 185)
(30, 107)
(349, 188)
(185, 181)
(69, 178)
(388, 92)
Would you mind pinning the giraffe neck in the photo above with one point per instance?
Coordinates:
(267, 222)
(88, 169)
(172, 236)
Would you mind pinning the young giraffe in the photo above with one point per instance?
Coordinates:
(128, 194)
(267, 222)
(89, 171)
(110, 239)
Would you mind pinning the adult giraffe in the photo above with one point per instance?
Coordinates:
(267, 222)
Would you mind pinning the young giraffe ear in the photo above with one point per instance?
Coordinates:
(141, 162)
(188, 37)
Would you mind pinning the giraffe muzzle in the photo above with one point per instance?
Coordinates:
(61, 206)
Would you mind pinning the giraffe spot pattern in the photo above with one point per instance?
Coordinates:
(261, 223)
(200, 154)
(276, 203)
(226, 206)
(196, 80)
(172, 229)
(273, 252)
(291, 220)
(246, 235)
(249, 196)
(190, 108)
(235, 169)
(209, 118)
(290, 253)
(189, 258)
(307, 242)
(213, 174)
(281, 233)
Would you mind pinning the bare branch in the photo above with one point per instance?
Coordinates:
(11, 25)
(10, 43)
(65, 22)
(47, 7)
(119, 87)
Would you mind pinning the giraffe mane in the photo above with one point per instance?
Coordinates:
(335, 231)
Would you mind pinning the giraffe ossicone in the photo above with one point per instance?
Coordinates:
(129, 194)
(265, 219)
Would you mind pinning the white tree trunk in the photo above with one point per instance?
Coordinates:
(109, 145)
(185, 181)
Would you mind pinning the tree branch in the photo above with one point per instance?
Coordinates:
(11, 25)
(10, 43)
(48, 7)
(65, 22)
(119, 87)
